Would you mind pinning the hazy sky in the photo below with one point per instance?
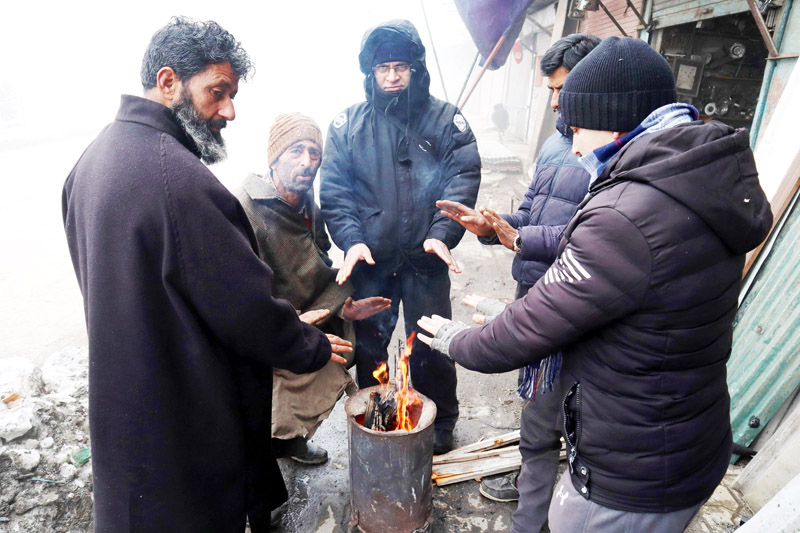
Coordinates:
(70, 61)
(66, 65)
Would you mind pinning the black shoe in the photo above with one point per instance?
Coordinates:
(501, 489)
(314, 455)
(442, 441)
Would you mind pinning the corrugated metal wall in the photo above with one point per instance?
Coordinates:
(671, 12)
(764, 367)
(598, 23)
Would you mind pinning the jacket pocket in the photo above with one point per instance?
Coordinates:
(372, 226)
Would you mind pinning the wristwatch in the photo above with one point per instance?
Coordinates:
(518, 244)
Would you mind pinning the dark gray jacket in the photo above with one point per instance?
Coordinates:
(379, 184)
(641, 301)
(558, 186)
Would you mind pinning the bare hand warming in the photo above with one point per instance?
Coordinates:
(356, 253)
(364, 308)
(431, 324)
(315, 316)
(505, 232)
(435, 246)
(339, 345)
(471, 219)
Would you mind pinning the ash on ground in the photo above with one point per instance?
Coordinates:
(45, 462)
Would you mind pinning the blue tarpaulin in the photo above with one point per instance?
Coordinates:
(488, 20)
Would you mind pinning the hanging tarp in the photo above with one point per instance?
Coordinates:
(488, 20)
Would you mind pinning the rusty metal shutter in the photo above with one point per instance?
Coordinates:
(764, 368)
(673, 12)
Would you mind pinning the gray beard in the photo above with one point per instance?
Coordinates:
(210, 143)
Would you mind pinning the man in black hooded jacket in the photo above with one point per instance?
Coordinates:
(387, 160)
(641, 299)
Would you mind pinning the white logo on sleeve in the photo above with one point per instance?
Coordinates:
(566, 269)
(562, 494)
(460, 122)
(340, 120)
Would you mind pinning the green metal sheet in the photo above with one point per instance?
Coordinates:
(764, 367)
(673, 12)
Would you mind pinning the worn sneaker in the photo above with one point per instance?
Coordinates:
(501, 489)
(314, 455)
(442, 441)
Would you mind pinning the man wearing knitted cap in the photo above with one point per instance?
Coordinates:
(387, 161)
(640, 301)
(292, 241)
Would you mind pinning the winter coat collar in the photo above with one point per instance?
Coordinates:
(143, 111)
(709, 168)
(262, 188)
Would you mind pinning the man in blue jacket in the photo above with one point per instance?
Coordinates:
(387, 160)
(533, 232)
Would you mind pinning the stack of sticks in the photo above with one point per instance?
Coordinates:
(381, 413)
(483, 458)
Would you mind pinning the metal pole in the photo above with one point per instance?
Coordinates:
(599, 3)
(638, 15)
(474, 62)
(485, 66)
(433, 47)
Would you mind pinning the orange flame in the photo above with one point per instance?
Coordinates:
(404, 396)
(382, 374)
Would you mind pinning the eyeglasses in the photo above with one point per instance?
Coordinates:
(399, 68)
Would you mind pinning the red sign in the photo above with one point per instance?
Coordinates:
(517, 51)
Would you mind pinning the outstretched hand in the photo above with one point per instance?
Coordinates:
(505, 231)
(471, 219)
(356, 253)
(364, 308)
(339, 345)
(315, 316)
(473, 300)
(431, 324)
(435, 246)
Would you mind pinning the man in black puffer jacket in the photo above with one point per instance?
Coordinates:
(387, 160)
(641, 299)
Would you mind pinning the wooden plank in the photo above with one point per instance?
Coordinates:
(477, 465)
(444, 459)
(486, 444)
(498, 468)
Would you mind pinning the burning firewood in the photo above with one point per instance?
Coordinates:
(381, 413)
(398, 406)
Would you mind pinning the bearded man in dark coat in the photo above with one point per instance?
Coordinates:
(292, 241)
(183, 330)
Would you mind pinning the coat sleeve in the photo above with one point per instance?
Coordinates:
(601, 275)
(338, 203)
(461, 170)
(223, 283)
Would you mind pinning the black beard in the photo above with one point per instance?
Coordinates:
(209, 142)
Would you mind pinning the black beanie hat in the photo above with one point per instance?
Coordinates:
(392, 50)
(616, 86)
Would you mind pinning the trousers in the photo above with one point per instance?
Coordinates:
(540, 444)
(422, 294)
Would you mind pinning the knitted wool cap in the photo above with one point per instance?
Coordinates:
(616, 86)
(393, 50)
(287, 130)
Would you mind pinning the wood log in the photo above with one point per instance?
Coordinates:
(486, 444)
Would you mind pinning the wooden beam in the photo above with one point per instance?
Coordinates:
(486, 444)
(762, 28)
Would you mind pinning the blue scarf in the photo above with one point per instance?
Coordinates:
(662, 118)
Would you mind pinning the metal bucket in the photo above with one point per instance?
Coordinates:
(390, 471)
